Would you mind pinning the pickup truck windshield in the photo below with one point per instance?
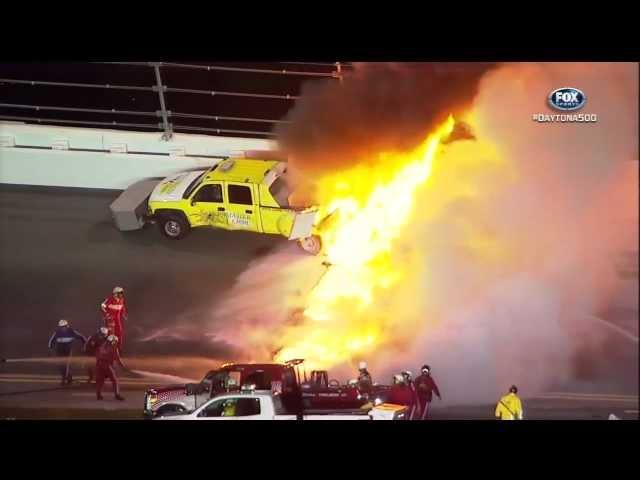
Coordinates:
(192, 186)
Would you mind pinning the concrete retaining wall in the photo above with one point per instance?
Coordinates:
(96, 158)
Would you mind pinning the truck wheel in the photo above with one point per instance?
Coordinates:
(311, 244)
(173, 226)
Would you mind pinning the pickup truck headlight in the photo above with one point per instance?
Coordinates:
(152, 399)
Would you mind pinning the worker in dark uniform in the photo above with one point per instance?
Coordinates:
(61, 342)
(425, 386)
(90, 348)
(106, 354)
(364, 379)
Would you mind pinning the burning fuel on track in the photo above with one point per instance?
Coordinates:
(480, 253)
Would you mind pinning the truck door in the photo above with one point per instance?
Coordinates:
(243, 212)
(207, 206)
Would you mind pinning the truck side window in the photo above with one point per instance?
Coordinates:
(247, 406)
(215, 409)
(240, 195)
(210, 194)
(259, 379)
(232, 407)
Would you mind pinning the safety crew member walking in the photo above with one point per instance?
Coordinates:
(62, 343)
(425, 386)
(91, 346)
(414, 413)
(114, 311)
(106, 354)
(364, 379)
(509, 407)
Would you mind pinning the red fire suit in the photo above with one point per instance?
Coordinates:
(414, 411)
(106, 355)
(90, 349)
(425, 386)
(114, 311)
(402, 395)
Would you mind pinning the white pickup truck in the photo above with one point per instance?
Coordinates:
(266, 406)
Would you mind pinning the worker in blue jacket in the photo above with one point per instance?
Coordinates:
(61, 342)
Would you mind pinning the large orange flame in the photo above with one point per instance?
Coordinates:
(367, 209)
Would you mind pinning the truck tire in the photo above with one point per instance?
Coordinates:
(173, 226)
(311, 244)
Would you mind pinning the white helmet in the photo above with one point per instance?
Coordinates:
(362, 365)
(353, 382)
(112, 339)
(118, 290)
(63, 323)
(398, 378)
(104, 330)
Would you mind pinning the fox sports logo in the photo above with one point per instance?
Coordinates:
(567, 98)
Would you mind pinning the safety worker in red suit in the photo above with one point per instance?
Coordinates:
(400, 393)
(114, 310)
(425, 387)
(408, 379)
(90, 348)
(106, 355)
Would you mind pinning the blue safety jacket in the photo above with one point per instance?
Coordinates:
(62, 339)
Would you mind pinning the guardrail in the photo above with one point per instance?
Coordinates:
(165, 115)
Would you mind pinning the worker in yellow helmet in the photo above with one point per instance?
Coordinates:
(509, 407)
(229, 408)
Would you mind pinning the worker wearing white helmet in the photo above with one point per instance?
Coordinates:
(62, 343)
(114, 311)
(408, 380)
(425, 388)
(91, 347)
(364, 379)
(401, 394)
(106, 355)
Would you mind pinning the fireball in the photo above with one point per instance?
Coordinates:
(366, 210)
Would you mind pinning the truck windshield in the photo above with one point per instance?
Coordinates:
(279, 190)
(192, 186)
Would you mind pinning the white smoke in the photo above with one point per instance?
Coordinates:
(571, 209)
(560, 207)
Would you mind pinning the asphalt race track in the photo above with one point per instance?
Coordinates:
(60, 256)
